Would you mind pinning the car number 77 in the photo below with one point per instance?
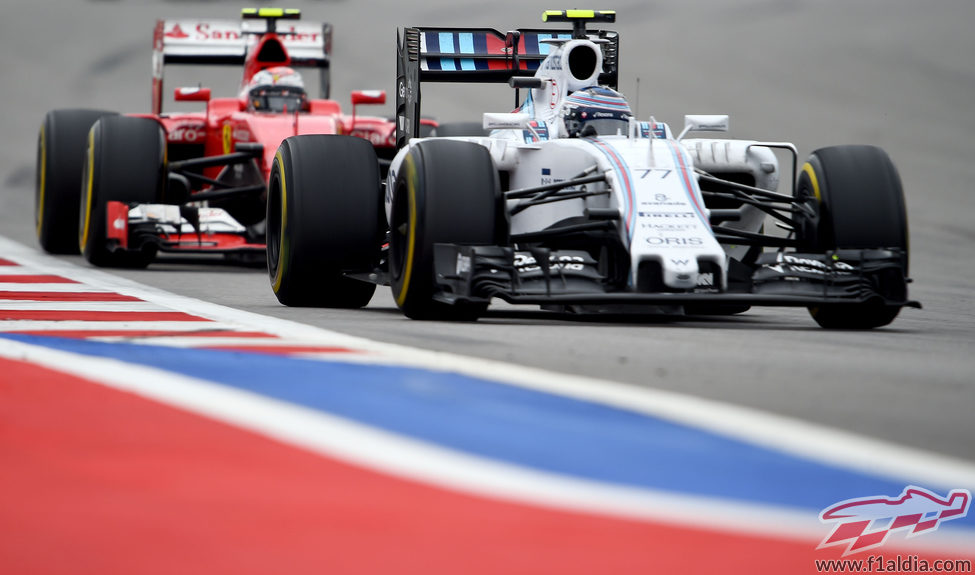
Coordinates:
(646, 172)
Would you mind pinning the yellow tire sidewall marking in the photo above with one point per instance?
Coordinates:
(814, 182)
(811, 173)
(89, 185)
(283, 247)
(411, 184)
(42, 144)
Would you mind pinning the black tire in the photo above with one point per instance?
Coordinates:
(324, 215)
(446, 191)
(857, 195)
(61, 145)
(459, 129)
(125, 162)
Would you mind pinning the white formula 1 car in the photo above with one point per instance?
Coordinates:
(573, 203)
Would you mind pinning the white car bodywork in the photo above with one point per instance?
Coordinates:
(650, 176)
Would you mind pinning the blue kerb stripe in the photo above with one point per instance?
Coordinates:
(520, 426)
(447, 47)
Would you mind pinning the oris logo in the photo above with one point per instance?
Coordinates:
(671, 241)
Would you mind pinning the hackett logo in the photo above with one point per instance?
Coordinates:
(865, 522)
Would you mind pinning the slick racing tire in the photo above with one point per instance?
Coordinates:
(324, 218)
(858, 199)
(61, 145)
(459, 129)
(446, 191)
(125, 162)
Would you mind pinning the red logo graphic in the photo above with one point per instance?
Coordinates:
(865, 522)
(177, 32)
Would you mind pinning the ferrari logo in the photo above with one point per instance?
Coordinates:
(228, 139)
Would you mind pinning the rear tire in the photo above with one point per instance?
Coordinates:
(61, 145)
(447, 191)
(857, 195)
(125, 163)
(324, 215)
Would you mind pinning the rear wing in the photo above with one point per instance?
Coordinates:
(477, 55)
(226, 42)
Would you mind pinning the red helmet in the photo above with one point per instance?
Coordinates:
(277, 89)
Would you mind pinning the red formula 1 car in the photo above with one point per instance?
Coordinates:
(192, 182)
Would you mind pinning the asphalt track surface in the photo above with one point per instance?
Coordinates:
(894, 73)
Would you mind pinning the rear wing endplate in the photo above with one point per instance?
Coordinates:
(227, 42)
(477, 55)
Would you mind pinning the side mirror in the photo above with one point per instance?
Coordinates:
(192, 94)
(705, 123)
(526, 82)
(368, 97)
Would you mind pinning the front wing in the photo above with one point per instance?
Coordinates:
(177, 229)
(479, 273)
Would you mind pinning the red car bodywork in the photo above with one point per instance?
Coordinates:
(227, 126)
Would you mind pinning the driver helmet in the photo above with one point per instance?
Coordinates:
(277, 89)
(595, 111)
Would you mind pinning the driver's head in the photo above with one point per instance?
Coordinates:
(277, 89)
(595, 111)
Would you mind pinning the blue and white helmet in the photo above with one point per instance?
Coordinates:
(595, 111)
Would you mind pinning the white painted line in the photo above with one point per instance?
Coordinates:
(50, 287)
(188, 341)
(129, 306)
(24, 270)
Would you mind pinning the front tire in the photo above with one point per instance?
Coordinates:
(61, 144)
(125, 162)
(447, 191)
(324, 215)
(857, 195)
